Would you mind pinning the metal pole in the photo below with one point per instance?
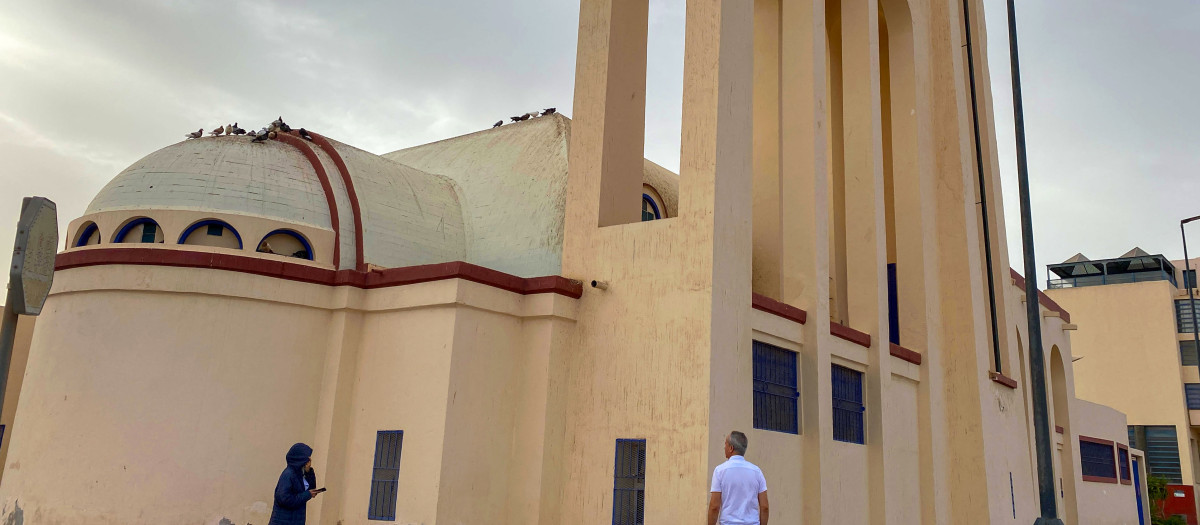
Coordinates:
(1187, 265)
(1037, 360)
(983, 202)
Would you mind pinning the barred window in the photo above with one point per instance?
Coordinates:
(775, 390)
(848, 405)
(1123, 463)
(1185, 319)
(1161, 444)
(1097, 461)
(629, 482)
(386, 475)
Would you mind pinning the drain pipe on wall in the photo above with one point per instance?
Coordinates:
(983, 200)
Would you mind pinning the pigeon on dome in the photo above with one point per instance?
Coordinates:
(549, 111)
(498, 123)
(262, 136)
(304, 134)
(229, 129)
(217, 132)
(195, 134)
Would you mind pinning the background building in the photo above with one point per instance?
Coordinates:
(1137, 353)
(533, 324)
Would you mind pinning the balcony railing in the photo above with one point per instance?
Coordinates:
(1121, 278)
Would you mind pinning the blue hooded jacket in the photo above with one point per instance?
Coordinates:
(291, 498)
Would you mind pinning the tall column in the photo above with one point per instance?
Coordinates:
(804, 239)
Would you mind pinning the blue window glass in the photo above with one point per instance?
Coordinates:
(1097, 460)
(1185, 319)
(1192, 392)
(893, 305)
(1187, 353)
(1161, 444)
(775, 391)
(215, 230)
(149, 232)
(1123, 463)
(629, 482)
(386, 475)
(649, 209)
(848, 405)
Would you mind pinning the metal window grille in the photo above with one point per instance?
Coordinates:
(1185, 319)
(386, 475)
(1160, 442)
(1192, 391)
(1097, 460)
(149, 232)
(215, 230)
(775, 391)
(848, 405)
(1123, 463)
(629, 482)
(1187, 353)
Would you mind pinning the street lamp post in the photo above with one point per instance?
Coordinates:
(1187, 265)
(1037, 362)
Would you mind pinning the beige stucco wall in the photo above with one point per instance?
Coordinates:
(149, 382)
(1118, 321)
(1107, 503)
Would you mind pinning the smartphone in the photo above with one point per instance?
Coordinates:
(320, 490)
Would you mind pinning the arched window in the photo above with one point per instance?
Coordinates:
(211, 232)
(649, 209)
(88, 235)
(140, 230)
(287, 243)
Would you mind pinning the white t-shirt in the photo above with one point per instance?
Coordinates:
(739, 482)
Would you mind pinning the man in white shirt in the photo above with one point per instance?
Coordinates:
(739, 490)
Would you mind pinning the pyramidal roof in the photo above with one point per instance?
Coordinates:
(1135, 252)
(1079, 257)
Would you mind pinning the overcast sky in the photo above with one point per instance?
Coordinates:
(87, 87)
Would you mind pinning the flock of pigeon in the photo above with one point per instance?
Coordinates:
(527, 116)
(269, 132)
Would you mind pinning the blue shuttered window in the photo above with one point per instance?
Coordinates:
(1123, 463)
(1192, 392)
(386, 475)
(848, 405)
(775, 390)
(1160, 442)
(1097, 460)
(1187, 354)
(1185, 320)
(629, 482)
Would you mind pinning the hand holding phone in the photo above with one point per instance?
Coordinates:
(318, 491)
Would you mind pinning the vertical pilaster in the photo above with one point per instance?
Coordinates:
(804, 187)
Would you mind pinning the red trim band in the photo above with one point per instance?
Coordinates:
(1058, 429)
(1003, 380)
(904, 354)
(854, 336)
(1044, 299)
(325, 185)
(323, 276)
(1100, 479)
(327, 147)
(1098, 441)
(766, 304)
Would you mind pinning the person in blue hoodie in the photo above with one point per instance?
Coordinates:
(297, 484)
